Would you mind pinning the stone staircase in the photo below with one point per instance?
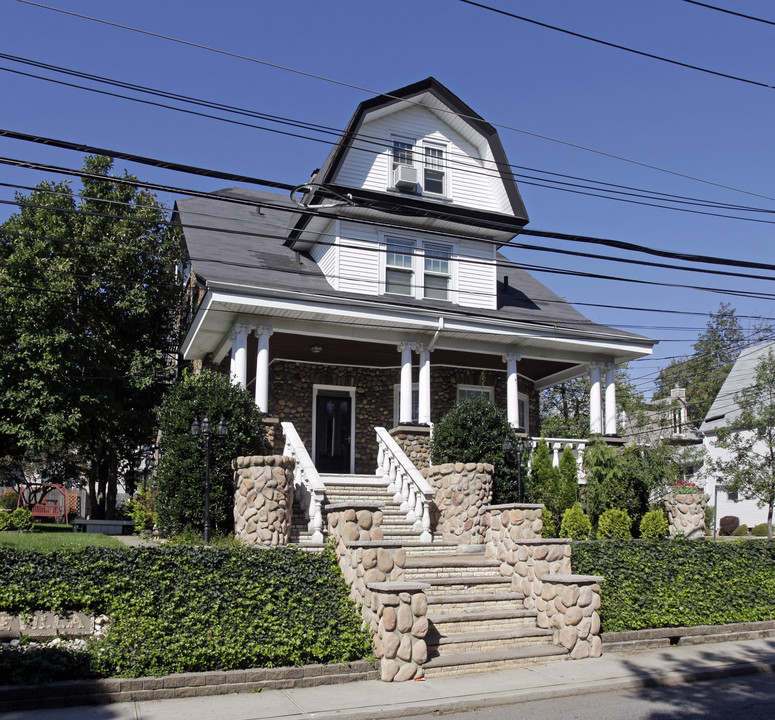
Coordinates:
(476, 621)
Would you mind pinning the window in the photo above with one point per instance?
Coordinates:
(403, 151)
(433, 174)
(397, 404)
(464, 392)
(436, 274)
(399, 267)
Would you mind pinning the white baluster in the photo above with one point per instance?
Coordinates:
(580, 462)
(391, 476)
(410, 504)
(426, 536)
(399, 496)
(317, 519)
(556, 454)
(380, 460)
(405, 486)
(418, 512)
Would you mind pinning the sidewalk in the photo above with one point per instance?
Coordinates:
(370, 699)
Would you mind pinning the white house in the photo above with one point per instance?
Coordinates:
(376, 296)
(723, 411)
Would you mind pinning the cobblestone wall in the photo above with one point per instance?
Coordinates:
(415, 442)
(516, 521)
(263, 499)
(686, 515)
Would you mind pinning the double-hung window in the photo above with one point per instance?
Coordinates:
(403, 151)
(433, 172)
(399, 267)
(436, 275)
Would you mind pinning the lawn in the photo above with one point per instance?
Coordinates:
(48, 537)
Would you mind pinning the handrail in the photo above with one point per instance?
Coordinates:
(412, 490)
(309, 489)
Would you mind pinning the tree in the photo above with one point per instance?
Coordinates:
(545, 484)
(748, 466)
(180, 477)
(88, 290)
(704, 372)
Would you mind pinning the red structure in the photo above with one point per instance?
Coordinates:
(34, 497)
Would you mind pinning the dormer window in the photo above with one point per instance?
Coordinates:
(403, 153)
(434, 170)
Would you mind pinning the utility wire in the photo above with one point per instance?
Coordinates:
(388, 95)
(730, 12)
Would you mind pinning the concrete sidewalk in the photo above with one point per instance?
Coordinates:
(374, 699)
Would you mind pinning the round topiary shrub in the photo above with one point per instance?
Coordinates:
(728, 524)
(21, 519)
(654, 524)
(759, 530)
(575, 524)
(741, 531)
(614, 524)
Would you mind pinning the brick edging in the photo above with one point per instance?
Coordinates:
(183, 685)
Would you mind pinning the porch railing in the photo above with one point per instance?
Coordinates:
(309, 490)
(557, 445)
(411, 490)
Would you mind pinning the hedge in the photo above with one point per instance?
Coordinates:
(671, 583)
(188, 609)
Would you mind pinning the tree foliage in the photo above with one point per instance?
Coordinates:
(748, 466)
(87, 293)
(180, 477)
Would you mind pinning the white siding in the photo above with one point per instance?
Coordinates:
(359, 259)
(369, 163)
(326, 255)
(476, 281)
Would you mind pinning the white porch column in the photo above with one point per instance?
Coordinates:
(425, 384)
(239, 355)
(610, 399)
(262, 368)
(405, 392)
(512, 388)
(595, 401)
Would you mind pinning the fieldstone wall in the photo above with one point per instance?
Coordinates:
(399, 622)
(516, 521)
(686, 515)
(263, 499)
(463, 491)
(415, 441)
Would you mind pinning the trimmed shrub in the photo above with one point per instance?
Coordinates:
(759, 530)
(654, 524)
(21, 519)
(473, 431)
(192, 609)
(741, 530)
(5, 520)
(544, 484)
(614, 524)
(568, 479)
(8, 500)
(728, 524)
(575, 524)
(549, 530)
(669, 583)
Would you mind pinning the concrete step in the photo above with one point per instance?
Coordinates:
(502, 659)
(467, 585)
(439, 644)
(454, 603)
(480, 620)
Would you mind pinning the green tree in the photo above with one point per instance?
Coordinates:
(180, 477)
(88, 289)
(704, 372)
(568, 479)
(473, 431)
(544, 484)
(748, 466)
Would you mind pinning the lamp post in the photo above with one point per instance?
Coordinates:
(207, 433)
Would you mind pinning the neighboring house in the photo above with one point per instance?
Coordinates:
(376, 295)
(722, 412)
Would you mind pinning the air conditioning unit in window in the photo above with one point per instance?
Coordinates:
(405, 177)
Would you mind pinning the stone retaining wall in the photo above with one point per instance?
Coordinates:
(263, 499)
(463, 492)
(686, 515)
(516, 521)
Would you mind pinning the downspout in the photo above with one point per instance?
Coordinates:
(432, 343)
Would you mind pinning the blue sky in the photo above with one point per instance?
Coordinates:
(512, 73)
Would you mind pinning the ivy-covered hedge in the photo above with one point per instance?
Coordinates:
(187, 609)
(670, 583)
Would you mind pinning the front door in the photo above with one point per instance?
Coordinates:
(333, 427)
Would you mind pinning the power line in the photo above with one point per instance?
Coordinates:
(617, 46)
(388, 95)
(730, 12)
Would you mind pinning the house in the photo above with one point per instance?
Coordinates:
(723, 411)
(375, 295)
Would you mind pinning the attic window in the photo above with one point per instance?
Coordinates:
(433, 174)
(403, 152)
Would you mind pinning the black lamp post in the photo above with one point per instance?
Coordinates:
(520, 448)
(207, 433)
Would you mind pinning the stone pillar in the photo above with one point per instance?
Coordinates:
(405, 393)
(239, 355)
(425, 385)
(263, 499)
(686, 515)
(512, 388)
(595, 401)
(415, 442)
(610, 400)
(262, 368)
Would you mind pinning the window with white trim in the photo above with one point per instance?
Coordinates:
(403, 151)
(397, 404)
(434, 170)
(436, 272)
(464, 392)
(399, 267)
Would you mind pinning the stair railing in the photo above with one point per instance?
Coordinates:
(411, 490)
(309, 490)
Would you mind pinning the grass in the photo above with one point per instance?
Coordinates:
(47, 537)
